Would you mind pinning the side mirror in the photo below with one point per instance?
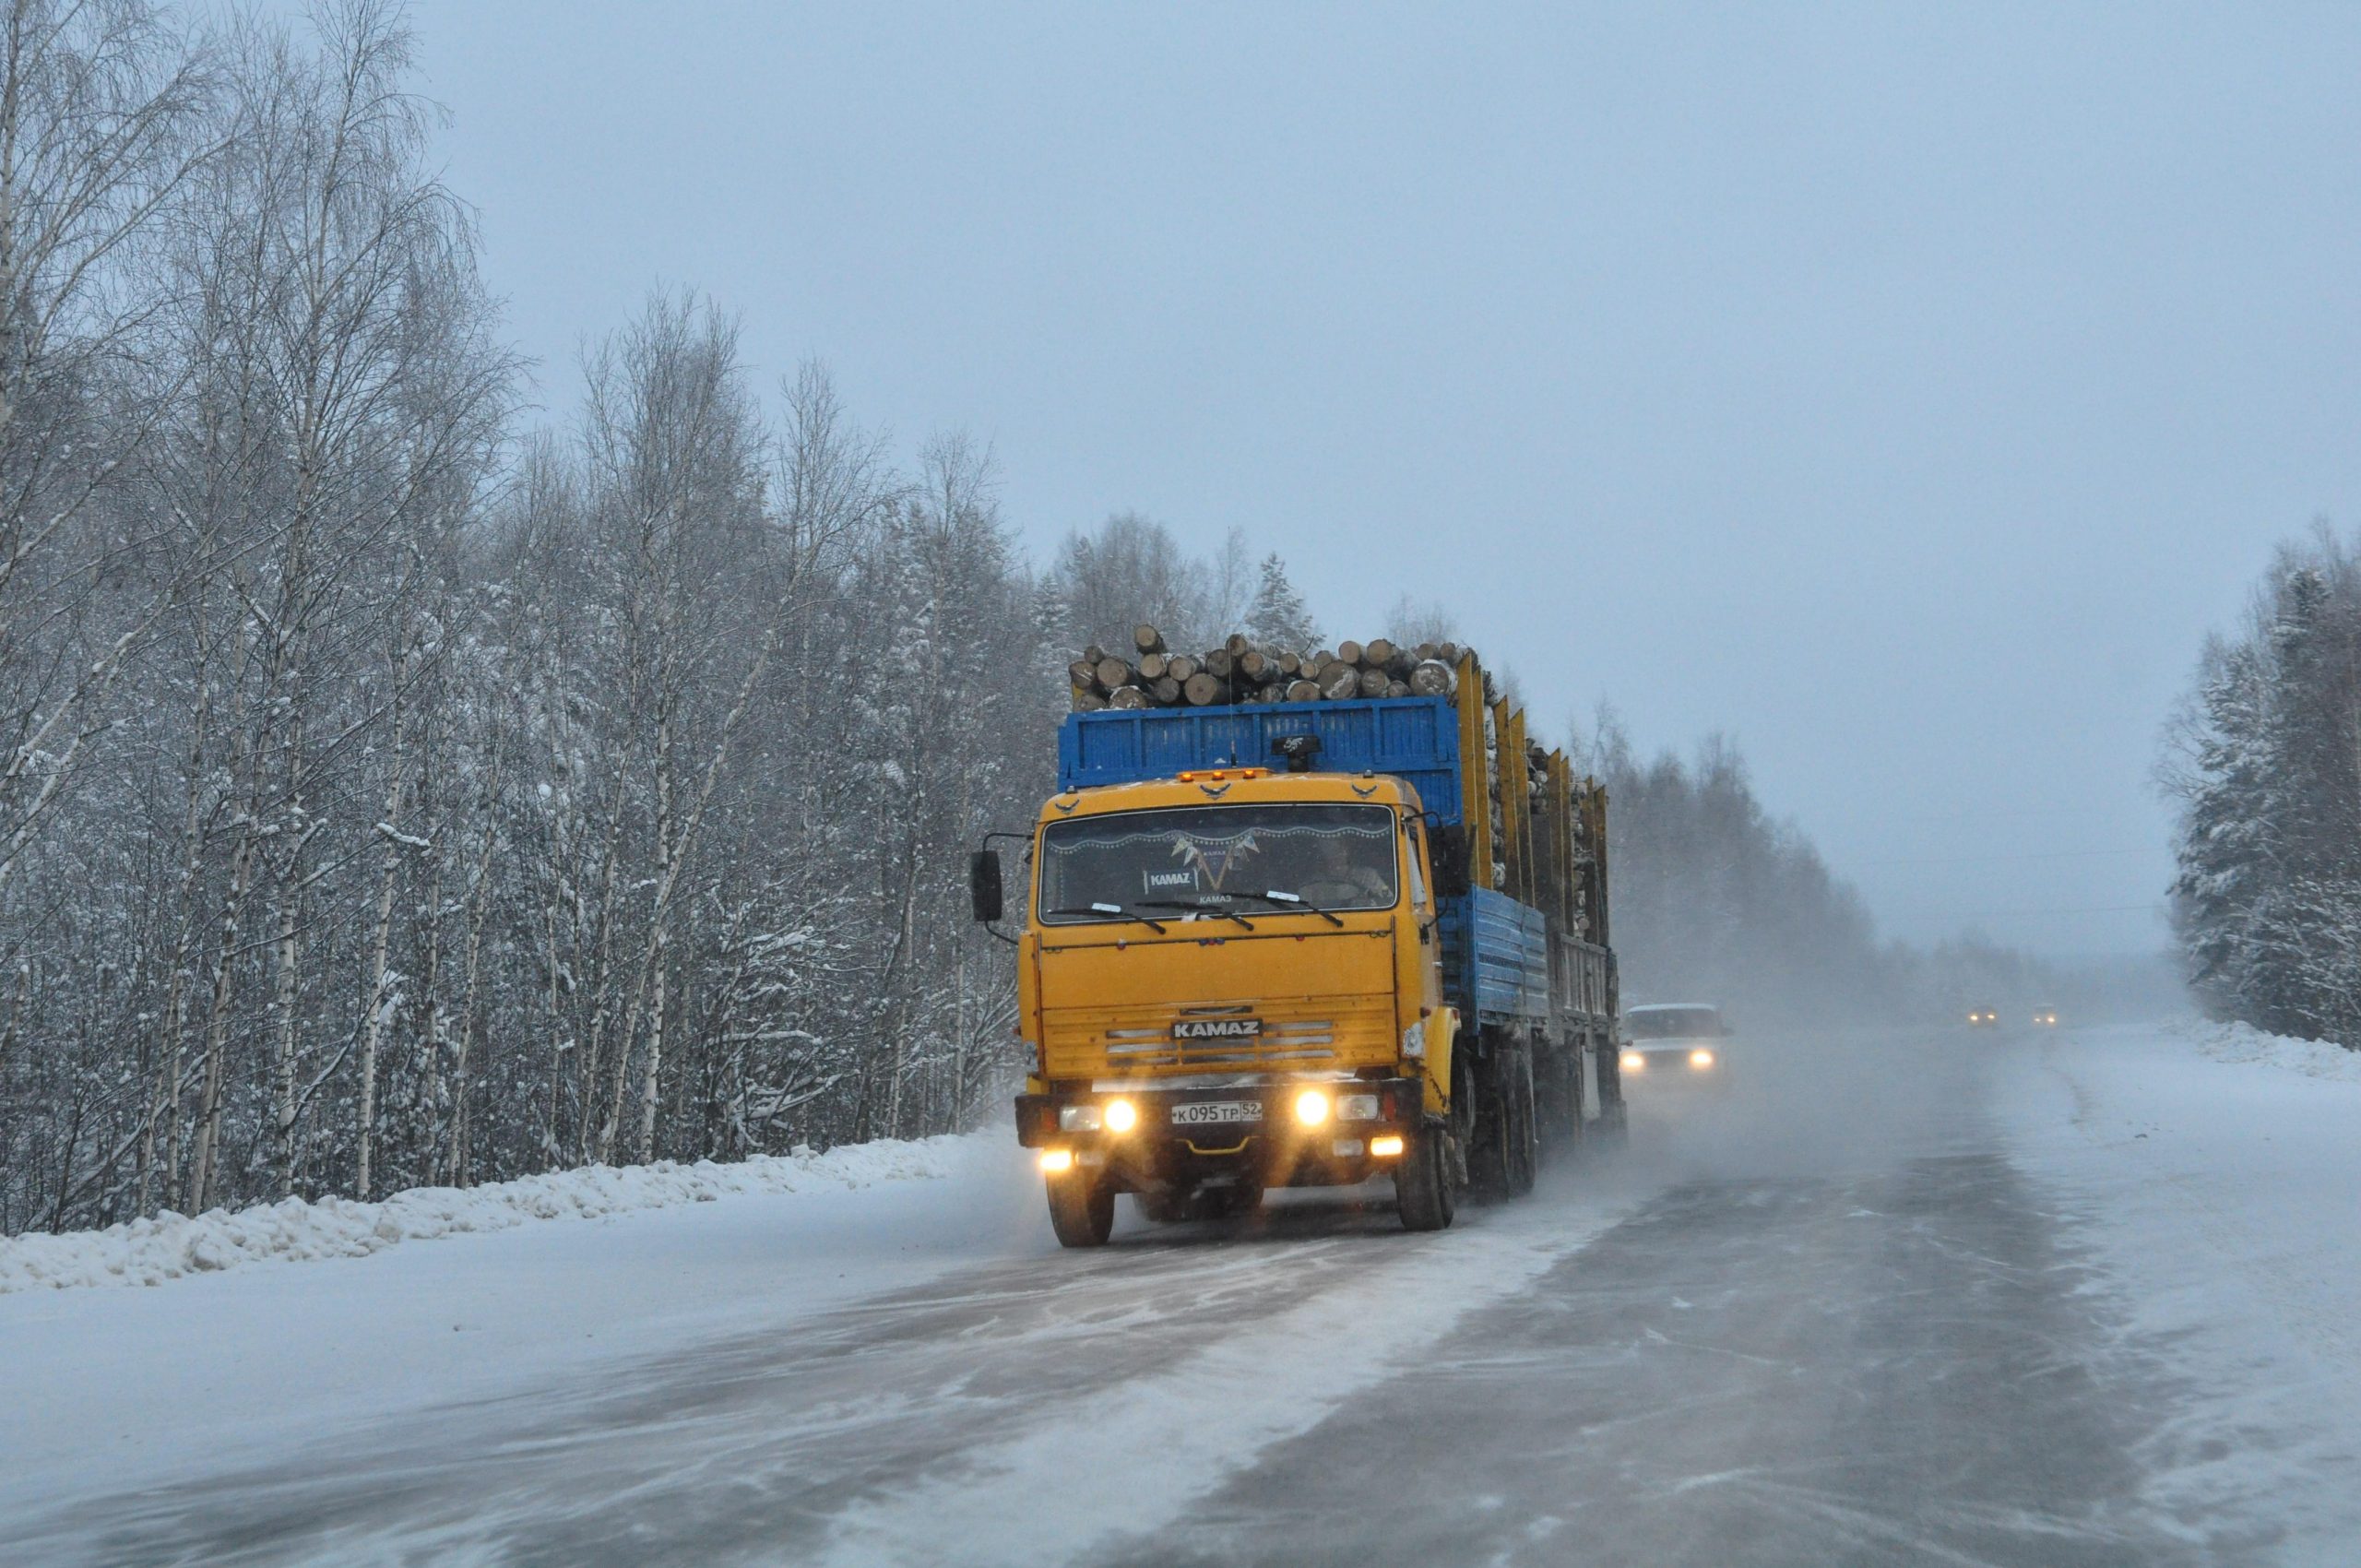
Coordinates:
(983, 885)
(1447, 847)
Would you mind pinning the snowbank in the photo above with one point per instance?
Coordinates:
(2244, 1042)
(148, 1252)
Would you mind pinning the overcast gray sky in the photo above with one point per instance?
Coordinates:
(1904, 391)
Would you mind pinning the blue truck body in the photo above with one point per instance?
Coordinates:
(1495, 950)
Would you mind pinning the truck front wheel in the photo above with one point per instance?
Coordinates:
(1424, 1184)
(1082, 1210)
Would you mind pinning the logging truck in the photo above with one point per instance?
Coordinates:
(1270, 942)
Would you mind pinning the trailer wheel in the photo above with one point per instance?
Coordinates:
(1082, 1210)
(1613, 1130)
(1520, 1124)
(1425, 1188)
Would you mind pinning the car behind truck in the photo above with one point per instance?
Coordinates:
(1306, 945)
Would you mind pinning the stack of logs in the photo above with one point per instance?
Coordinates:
(1242, 671)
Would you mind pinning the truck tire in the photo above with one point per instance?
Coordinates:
(1082, 1210)
(1425, 1186)
(1613, 1128)
(1559, 1091)
(1520, 1124)
(1506, 1152)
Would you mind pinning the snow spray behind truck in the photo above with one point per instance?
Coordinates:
(1305, 944)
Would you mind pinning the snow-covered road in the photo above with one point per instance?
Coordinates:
(2083, 1299)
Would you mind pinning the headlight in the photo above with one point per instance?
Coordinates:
(1312, 1108)
(1700, 1058)
(1054, 1160)
(1381, 1148)
(1121, 1115)
(1633, 1062)
(1079, 1118)
(1357, 1108)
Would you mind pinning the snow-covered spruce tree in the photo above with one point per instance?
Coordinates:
(2267, 763)
(1278, 617)
(2225, 851)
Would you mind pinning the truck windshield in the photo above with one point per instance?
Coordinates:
(1217, 859)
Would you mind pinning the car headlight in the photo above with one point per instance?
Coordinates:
(1312, 1108)
(1055, 1160)
(1633, 1062)
(1121, 1115)
(1701, 1057)
(1385, 1146)
(1357, 1108)
(1079, 1118)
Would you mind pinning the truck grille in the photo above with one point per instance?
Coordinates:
(1090, 1042)
(1279, 1043)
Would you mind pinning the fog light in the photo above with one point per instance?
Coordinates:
(1053, 1161)
(1357, 1108)
(1385, 1146)
(1312, 1108)
(1701, 1057)
(1121, 1115)
(1633, 1062)
(1346, 1148)
(1078, 1119)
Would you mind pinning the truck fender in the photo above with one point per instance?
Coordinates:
(1442, 1033)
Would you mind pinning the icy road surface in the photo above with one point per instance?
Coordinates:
(2083, 1299)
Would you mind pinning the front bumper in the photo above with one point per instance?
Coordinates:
(1165, 1149)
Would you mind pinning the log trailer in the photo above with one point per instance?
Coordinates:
(1306, 945)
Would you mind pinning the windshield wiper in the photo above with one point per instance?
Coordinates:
(1156, 926)
(1292, 901)
(1198, 907)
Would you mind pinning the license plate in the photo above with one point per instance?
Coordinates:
(1199, 1113)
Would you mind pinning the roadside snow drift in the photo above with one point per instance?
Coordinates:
(148, 1252)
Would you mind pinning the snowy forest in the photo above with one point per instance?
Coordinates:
(2266, 762)
(396, 792)
(401, 791)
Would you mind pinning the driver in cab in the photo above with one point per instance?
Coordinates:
(1339, 879)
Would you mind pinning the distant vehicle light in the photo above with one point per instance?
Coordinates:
(1385, 1146)
(1701, 1057)
(1633, 1062)
(1312, 1108)
(1121, 1115)
(1054, 1160)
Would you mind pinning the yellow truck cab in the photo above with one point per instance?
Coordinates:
(1262, 973)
